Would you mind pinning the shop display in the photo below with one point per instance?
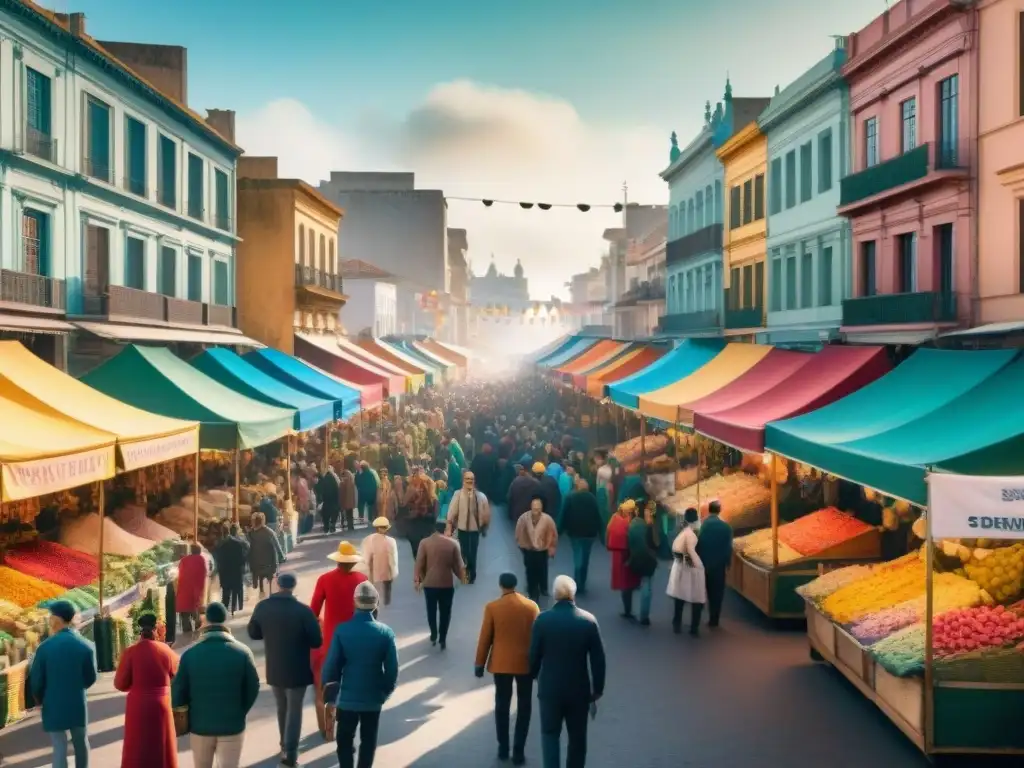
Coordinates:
(23, 590)
(883, 589)
(1000, 572)
(825, 585)
(631, 451)
(978, 628)
(83, 533)
(820, 531)
(757, 547)
(25, 511)
(54, 563)
(135, 521)
(83, 598)
(745, 501)
(901, 653)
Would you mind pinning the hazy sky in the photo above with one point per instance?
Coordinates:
(539, 100)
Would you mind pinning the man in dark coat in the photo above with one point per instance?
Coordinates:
(485, 469)
(549, 488)
(643, 556)
(714, 548)
(581, 521)
(564, 640)
(521, 492)
(328, 491)
(231, 556)
(290, 632)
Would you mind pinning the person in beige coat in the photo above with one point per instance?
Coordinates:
(469, 515)
(380, 553)
(537, 537)
(438, 564)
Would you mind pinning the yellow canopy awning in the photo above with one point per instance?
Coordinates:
(42, 451)
(142, 438)
(727, 366)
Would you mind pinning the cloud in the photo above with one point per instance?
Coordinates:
(478, 141)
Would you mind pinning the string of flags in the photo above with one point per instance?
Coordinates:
(582, 207)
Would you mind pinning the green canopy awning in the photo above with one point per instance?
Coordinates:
(953, 410)
(155, 380)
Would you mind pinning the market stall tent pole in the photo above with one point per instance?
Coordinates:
(774, 490)
(238, 484)
(929, 696)
(643, 447)
(195, 501)
(103, 509)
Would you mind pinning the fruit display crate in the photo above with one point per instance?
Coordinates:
(772, 590)
(938, 717)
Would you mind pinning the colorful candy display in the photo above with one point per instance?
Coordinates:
(821, 530)
(976, 629)
(55, 563)
(24, 590)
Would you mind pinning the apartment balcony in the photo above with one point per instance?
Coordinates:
(216, 314)
(705, 240)
(639, 293)
(690, 322)
(32, 290)
(38, 144)
(315, 278)
(921, 307)
(97, 168)
(184, 312)
(743, 317)
(117, 302)
(922, 166)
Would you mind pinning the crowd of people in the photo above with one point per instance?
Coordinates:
(447, 465)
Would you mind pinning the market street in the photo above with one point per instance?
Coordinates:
(744, 695)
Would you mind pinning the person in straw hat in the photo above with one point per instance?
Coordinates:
(380, 555)
(333, 596)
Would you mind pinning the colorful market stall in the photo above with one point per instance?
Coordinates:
(578, 379)
(373, 384)
(442, 371)
(442, 355)
(296, 374)
(551, 347)
(689, 356)
(601, 352)
(435, 375)
(634, 361)
(458, 356)
(385, 352)
(402, 381)
(567, 353)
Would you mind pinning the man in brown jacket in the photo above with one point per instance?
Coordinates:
(505, 637)
(347, 498)
(438, 564)
(537, 537)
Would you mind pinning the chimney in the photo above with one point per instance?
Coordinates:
(250, 167)
(223, 122)
(77, 24)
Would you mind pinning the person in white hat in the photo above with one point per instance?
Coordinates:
(380, 553)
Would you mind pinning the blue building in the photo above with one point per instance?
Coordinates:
(117, 200)
(809, 245)
(693, 262)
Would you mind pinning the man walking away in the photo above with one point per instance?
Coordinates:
(643, 556)
(437, 561)
(359, 676)
(537, 537)
(469, 515)
(505, 639)
(347, 498)
(231, 556)
(380, 554)
(581, 521)
(328, 491)
(218, 682)
(290, 632)
(564, 640)
(63, 669)
(714, 547)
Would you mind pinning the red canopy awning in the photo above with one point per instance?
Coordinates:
(829, 375)
(373, 387)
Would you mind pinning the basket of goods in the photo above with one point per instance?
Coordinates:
(24, 590)
(55, 563)
(630, 452)
(15, 694)
(757, 548)
(821, 531)
(745, 502)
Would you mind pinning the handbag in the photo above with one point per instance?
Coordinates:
(181, 722)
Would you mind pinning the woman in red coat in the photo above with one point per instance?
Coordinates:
(145, 673)
(617, 542)
(191, 594)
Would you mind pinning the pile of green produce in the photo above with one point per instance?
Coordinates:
(83, 598)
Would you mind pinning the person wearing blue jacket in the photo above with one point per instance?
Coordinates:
(63, 669)
(360, 674)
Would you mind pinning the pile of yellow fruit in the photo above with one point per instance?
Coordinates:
(949, 592)
(887, 587)
(1000, 572)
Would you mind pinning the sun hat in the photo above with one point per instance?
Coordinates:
(539, 468)
(382, 522)
(347, 553)
(366, 596)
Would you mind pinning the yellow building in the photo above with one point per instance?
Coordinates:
(744, 158)
(288, 279)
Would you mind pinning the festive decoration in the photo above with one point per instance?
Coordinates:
(582, 207)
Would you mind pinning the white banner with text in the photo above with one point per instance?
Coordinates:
(965, 507)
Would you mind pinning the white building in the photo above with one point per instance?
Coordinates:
(117, 199)
(372, 305)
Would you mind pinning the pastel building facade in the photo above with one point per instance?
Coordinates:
(912, 75)
(809, 270)
(1001, 161)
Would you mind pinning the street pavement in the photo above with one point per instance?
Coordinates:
(744, 695)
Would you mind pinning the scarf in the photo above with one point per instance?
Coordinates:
(533, 533)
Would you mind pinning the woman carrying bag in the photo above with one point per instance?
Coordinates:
(686, 579)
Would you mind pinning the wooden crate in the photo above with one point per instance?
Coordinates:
(756, 586)
(821, 629)
(902, 696)
(850, 653)
(734, 576)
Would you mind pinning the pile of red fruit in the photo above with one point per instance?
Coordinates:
(976, 629)
(821, 530)
(52, 562)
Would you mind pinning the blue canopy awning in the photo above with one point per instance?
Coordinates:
(297, 375)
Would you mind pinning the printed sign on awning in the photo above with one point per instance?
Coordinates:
(146, 453)
(966, 507)
(29, 479)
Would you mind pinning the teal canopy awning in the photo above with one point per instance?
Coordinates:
(677, 364)
(155, 380)
(421, 359)
(567, 342)
(297, 375)
(569, 353)
(953, 410)
(233, 372)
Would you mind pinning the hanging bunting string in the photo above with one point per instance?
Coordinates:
(583, 207)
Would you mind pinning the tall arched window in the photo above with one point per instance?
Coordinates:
(332, 265)
(302, 244)
(312, 247)
(700, 209)
(323, 253)
(709, 201)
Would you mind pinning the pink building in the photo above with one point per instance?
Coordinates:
(912, 76)
(1001, 161)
